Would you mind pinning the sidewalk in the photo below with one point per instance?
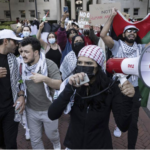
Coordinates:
(143, 141)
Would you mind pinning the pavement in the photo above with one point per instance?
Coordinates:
(143, 141)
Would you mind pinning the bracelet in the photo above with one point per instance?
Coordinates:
(21, 95)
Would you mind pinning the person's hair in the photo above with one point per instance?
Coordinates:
(73, 39)
(137, 40)
(101, 82)
(1, 41)
(69, 32)
(27, 27)
(53, 34)
(86, 32)
(33, 42)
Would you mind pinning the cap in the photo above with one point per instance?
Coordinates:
(130, 27)
(9, 34)
(94, 52)
(75, 23)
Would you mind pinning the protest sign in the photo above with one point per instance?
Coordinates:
(83, 18)
(100, 13)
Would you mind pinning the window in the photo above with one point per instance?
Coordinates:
(31, 0)
(21, 0)
(46, 11)
(126, 10)
(136, 11)
(32, 13)
(46, 0)
(7, 14)
(23, 14)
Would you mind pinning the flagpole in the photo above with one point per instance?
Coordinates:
(36, 15)
(9, 10)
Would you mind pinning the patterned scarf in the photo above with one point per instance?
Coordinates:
(129, 52)
(68, 64)
(14, 75)
(40, 67)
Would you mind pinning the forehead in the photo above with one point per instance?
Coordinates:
(26, 28)
(27, 47)
(78, 38)
(85, 59)
(51, 35)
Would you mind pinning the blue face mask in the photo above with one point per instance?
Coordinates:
(52, 40)
(26, 33)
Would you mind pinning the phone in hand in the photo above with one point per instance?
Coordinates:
(86, 79)
(65, 8)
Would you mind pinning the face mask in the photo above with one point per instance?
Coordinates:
(52, 40)
(26, 33)
(85, 69)
(77, 47)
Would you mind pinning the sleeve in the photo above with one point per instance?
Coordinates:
(93, 37)
(115, 48)
(53, 71)
(61, 38)
(59, 105)
(122, 109)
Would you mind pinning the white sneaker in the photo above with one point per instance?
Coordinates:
(117, 132)
(57, 146)
(27, 135)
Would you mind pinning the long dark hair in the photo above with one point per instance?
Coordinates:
(101, 82)
(137, 40)
(73, 39)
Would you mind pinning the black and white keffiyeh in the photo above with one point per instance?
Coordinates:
(14, 75)
(129, 51)
(40, 67)
(126, 51)
(68, 64)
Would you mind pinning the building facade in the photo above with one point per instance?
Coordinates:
(25, 9)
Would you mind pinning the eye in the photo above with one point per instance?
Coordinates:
(89, 63)
(79, 62)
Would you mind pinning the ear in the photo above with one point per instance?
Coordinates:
(36, 53)
(5, 41)
(123, 34)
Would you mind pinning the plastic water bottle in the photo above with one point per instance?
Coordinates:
(17, 115)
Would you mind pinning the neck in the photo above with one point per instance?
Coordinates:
(3, 51)
(129, 44)
(35, 61)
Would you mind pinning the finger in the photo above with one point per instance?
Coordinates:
(33, 73)
(125, 83)
(86, 84)
(81, 77)
(31, 78)
(77, 79)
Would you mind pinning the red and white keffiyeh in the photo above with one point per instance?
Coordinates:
(94, 52)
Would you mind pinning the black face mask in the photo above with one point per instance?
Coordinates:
(85, 69)
(77, 47)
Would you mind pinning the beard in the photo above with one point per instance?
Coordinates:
(30, 62)
(131, 41)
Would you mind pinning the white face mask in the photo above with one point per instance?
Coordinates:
(26, 33)
(52, 40)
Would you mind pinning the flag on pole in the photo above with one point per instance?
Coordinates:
(119, 23)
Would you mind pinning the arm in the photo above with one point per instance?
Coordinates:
(53, 80)
(61, 34)
(38, 36)
(122, 105)
(93, 37)
(107, 39)
(58, 106)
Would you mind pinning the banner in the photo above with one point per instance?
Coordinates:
(100, 13)
(83, 18)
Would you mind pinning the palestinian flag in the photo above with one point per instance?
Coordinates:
(34, 28)
(119, 24)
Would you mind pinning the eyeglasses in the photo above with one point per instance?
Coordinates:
(133, 30)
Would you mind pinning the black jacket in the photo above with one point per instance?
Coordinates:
(89, 129)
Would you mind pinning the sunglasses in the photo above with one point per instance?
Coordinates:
(133, 30)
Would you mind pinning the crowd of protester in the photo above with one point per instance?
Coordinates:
(43, 80)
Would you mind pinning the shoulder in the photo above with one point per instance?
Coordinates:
(49, 62)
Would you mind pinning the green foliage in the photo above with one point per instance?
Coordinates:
(4, 27)
(8, 23)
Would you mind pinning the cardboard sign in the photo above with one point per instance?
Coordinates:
(95, 28)
(100, 13)
(83, 18)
